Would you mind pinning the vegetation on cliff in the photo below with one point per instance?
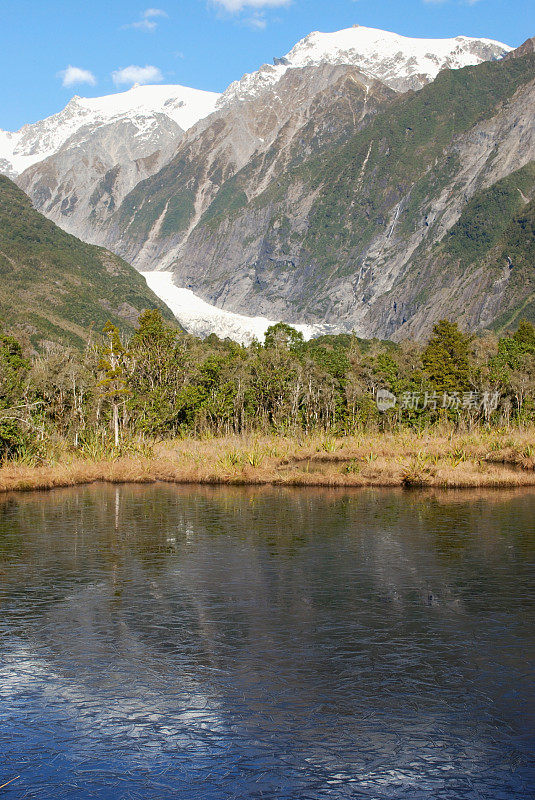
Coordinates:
(53, 287)
(412, 216)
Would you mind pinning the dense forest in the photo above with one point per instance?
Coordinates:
(162, 383)
(55, 287)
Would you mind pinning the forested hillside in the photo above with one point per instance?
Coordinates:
(55, 288)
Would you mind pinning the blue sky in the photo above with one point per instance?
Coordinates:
(201, 43)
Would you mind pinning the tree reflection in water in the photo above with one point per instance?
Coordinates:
(219, 643)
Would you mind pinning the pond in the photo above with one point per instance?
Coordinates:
(214, 643)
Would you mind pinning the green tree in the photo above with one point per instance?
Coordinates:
(524, 336)
(283, 336)
(113, 382)
(515, 363)
(446, 358)
(14, 406)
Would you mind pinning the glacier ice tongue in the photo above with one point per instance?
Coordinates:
(201, 318)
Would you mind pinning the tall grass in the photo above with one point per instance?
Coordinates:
(439, 458)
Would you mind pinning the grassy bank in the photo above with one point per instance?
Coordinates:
(436, 459)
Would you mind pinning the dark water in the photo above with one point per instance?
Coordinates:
(186, 643)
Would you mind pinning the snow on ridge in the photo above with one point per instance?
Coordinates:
(386, 56)
(376, 44)
(183, 105)
(201, 318)
(140, 104)
(398, 61)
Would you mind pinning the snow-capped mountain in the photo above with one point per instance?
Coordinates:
(324, 78)
(78, 165)
(400, 62)
(142, 106)
(349, 200)
(151, 173)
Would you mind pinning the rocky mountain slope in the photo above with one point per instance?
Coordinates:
(354, 233)
(79, 193)
(482, 272)
(310, 109)
(79, 164)
(55, 288)
(399, 62)
(143, 106)
(322, 189)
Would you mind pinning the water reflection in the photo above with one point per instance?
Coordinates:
(218, 643)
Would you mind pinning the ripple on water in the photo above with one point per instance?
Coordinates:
(162, 642)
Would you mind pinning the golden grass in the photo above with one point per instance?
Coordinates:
(435, 459)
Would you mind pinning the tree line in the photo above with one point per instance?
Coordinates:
(163, 383)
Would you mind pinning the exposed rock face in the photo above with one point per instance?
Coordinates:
(525, 49)
(80, 185)
(353, 237)
(310, 109)
(140, 104)
(315, 192)
(79, 164)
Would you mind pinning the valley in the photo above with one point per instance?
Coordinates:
(335, 189)
(267, 400)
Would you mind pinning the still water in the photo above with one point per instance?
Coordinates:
(162, 642)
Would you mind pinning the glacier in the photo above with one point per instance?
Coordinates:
(201, 319)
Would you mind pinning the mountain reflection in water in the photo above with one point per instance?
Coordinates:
(166, 642)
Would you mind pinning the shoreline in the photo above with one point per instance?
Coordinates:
(435, 460)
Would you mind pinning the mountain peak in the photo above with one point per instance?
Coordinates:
(524, 50)
(400, 62)
(183, 105)
(141, 104)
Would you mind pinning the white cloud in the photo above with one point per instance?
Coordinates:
(233, 6)
(73, 75)
(135, 74)
(257, 21)
(148, 20)
(154, 12)
(143, 25)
